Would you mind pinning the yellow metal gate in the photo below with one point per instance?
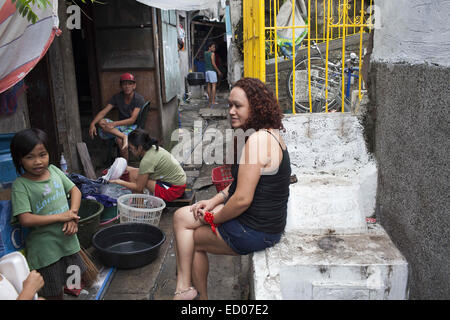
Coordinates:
(316, 83)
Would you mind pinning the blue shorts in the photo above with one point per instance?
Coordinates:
(124, 129)
(244, 240)
(211, 76)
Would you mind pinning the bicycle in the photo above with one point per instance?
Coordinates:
(318, 90)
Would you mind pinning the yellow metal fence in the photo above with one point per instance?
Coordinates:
(321, 21)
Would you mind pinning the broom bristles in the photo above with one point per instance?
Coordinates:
(90, 275)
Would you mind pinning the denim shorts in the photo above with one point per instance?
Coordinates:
(244, 240)
(211, 76)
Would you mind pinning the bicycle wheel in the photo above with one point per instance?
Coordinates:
(318, 89)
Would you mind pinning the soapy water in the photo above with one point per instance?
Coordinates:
(114, 190)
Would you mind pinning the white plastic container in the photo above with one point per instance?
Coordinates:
(63, 164)
(14, 267)
(140, 208)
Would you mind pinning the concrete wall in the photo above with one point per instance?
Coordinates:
(184, 54)
(235, 59)
(416, 31)
(169, 121)
(409, 80)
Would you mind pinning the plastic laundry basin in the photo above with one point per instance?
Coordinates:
(128, 245)
(196, 78)
(89, 223)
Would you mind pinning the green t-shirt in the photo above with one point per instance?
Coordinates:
(44, 244)
(162, 166)
(208, 61)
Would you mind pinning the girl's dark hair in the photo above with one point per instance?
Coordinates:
(265, 111)
(24, 142)
(140, 137)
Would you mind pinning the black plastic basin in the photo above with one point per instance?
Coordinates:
(89, 223)
(128, 245)
(196, 78)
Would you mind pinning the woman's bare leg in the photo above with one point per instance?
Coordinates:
(208, 86)
(200, 270)
(133, 173)
(206, 241)
(213, 93)
(184, 226)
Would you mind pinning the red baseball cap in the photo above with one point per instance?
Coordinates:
(127, 77)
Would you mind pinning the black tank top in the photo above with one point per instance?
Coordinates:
(268, 210)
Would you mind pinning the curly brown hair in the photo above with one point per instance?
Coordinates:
(265, 111)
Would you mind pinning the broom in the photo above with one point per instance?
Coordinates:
(90, 275)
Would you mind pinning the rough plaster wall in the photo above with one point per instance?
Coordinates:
(169, 120)
(183, 56)
(409, 104)
(235, 60)
(416, 31)
(412, 147)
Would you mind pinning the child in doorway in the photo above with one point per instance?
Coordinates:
(39, 201)
(210, 73)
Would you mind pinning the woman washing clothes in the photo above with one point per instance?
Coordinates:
(250, 214)
(158, 171)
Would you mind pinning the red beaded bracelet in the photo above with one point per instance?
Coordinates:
(209, 218)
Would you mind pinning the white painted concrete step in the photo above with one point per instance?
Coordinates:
(362, 266)
(324, 203)
(337, 179)
(330, 143)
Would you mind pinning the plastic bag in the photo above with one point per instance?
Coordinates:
(116, 170)
(284, 19)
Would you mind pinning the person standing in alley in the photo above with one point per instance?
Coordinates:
(212, 72)
(128, 102)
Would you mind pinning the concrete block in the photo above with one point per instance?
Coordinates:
(325, 143)
(197, 92)
(209, 113)
(363, 266)
(324, 203)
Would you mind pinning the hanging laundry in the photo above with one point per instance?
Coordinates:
(9, 99)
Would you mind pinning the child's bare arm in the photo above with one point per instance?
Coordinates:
(29, 219)
(75, 199)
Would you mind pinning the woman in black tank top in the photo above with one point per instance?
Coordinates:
(250, 214)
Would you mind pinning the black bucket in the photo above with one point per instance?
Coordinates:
(128, 245)
(89, 223)
(196, 78)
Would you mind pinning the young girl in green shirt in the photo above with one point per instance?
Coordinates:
(39, 201)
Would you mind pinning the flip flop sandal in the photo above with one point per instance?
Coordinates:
(179, 293)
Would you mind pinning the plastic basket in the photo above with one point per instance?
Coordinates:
(221, 177)
(140, 208)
